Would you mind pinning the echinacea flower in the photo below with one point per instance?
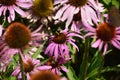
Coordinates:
(15, 38)
(85, 10)
(104, 34)
(40, 9)
(58, 43)
(45, 75)
(9, 7)
(31, 66)
(5, 52)
(57, 65)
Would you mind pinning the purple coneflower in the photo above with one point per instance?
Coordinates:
(104, 34)
(5, 52)
(57, 65)
(58, 44)
(15, 38)
(9, 7)
(40, 9)
(45, 75)
(83, 10)
(31, 66)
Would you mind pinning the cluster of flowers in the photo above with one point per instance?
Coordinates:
(76, 14)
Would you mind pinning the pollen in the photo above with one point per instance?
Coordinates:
(105, 32)
(17, 35)
(42, 8)
(78, 3)
(45, 75)
(28, 67)
(7, 2)
(60, 38)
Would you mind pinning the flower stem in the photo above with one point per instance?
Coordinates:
(102, 64)
(21, 65)
(84, 64)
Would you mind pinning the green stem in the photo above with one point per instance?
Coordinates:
(84, 64)
(21, 66)
(102, 63)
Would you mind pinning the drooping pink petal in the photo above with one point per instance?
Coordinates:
(70, 16)
(15, 72)
(105, 49)
(58, 14)
(24, 5)
(74, 34)
(1, 30)
(88, 14)
(48, 48)
(76, 10)
(20, 11)
(66, 13)
(52, 49)
(96, 43)
(64, 69)
(115, 44)
(56, 52)
(89, 34)
(44, 67)
(66, 51)
(4, 12)
(1, 10)
(101, 45)
(74, 45)
(12, 12)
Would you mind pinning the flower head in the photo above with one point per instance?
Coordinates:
(45, 75)
(85, 10)
(15, 38)
(58, 44)
(57, 65)
(9, 7)
(17, 35)
(5, 52)
(105, 34)
(42, 8)
(31, 66)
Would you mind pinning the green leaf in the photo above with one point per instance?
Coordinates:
(116, 3)
(107, 2)
(35, 55)
(94, 65)
(108, 69)
(71, 74)
(92, 73)
(12, 78)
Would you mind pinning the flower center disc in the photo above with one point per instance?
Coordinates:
(17, 35)
(105, 31)
(45, 75)
(28, 67)
(7, 2)
(42, 7)
(60, 38)
(78, 3)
